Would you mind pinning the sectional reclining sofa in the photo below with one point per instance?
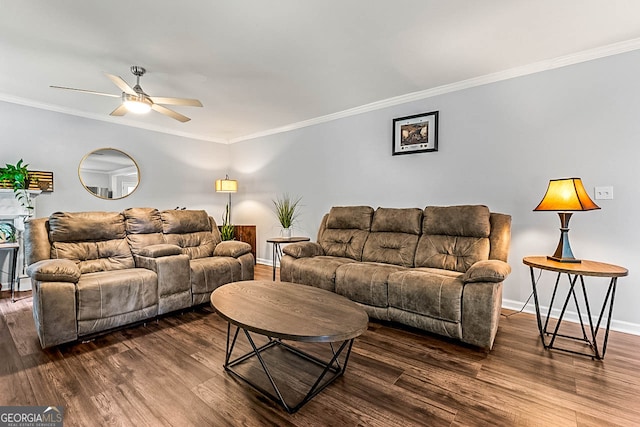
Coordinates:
(440, 269)
(95, 271)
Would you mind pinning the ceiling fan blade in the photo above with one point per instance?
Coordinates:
(118, 81)
(120, 111)
(167, 112)
(87, 91)
(176, 101)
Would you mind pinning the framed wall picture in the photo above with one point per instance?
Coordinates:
(415, 134)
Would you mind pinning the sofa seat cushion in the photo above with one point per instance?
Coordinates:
(207, 274)
(427, 293)
(112, 298)
(319, 271)
(439, 271)
(365, 282)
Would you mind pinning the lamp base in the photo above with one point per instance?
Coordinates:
(563, 252)
(558, 259)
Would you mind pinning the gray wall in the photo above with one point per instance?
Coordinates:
(174, 171)
(499, 144)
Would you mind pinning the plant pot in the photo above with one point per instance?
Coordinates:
(286, 232)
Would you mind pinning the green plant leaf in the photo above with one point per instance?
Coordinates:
(17, 177)
(286, 209)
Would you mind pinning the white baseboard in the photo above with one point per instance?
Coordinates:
(25, 285)
(572, 316)
(265, 261)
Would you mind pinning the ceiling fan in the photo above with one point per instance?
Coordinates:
(136, 101)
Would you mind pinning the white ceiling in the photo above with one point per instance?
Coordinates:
(263, 65)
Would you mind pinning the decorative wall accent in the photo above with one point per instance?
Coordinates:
(415, 134)
(41, 180)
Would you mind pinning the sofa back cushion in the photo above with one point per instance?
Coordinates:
(144, 228)
(95, 241)
(500, 236)
(454, 237)
(394, 236)
(347, 228)
(191, 230)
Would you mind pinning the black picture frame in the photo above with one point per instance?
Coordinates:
(415, 134)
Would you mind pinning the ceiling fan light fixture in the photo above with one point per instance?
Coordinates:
(134, 99)
(137, 104)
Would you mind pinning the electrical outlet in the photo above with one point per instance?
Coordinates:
(604, 193)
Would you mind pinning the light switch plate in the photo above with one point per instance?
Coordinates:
(604, 193)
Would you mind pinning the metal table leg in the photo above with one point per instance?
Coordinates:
(332, 369)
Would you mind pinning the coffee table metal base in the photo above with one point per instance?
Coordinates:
(332, 369)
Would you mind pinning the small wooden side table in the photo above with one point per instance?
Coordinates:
(13, 248)
(277, 250)
(573, 271)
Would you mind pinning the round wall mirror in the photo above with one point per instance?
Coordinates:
(109, 173)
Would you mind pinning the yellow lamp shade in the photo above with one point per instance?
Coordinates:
(226, 185)
(566, 194)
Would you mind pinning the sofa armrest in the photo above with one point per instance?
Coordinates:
(174, 284)
(53, 284)
(492, 271)
(303, 250)
(232, 248)
(160, 250)
(54, 270)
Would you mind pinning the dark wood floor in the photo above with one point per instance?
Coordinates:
(170, 373)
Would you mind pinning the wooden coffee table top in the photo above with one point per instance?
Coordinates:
(289, 311)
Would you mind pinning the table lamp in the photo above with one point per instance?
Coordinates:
(566, 196)
(227, 185)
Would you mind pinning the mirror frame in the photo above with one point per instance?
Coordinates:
(112, 149)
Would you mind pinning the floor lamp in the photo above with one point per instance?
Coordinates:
(227, 185)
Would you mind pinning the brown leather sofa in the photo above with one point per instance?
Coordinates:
(439, 269)
(95, 271)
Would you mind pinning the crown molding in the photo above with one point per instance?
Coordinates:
(108, 119)
(537, 67)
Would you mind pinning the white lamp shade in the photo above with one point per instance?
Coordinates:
(226, 185)
(137, 104)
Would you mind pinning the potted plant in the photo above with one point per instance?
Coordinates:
(286, 209)
(7, 232)
(17, 178)
(227, 229)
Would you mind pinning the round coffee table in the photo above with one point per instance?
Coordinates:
(287, 311)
